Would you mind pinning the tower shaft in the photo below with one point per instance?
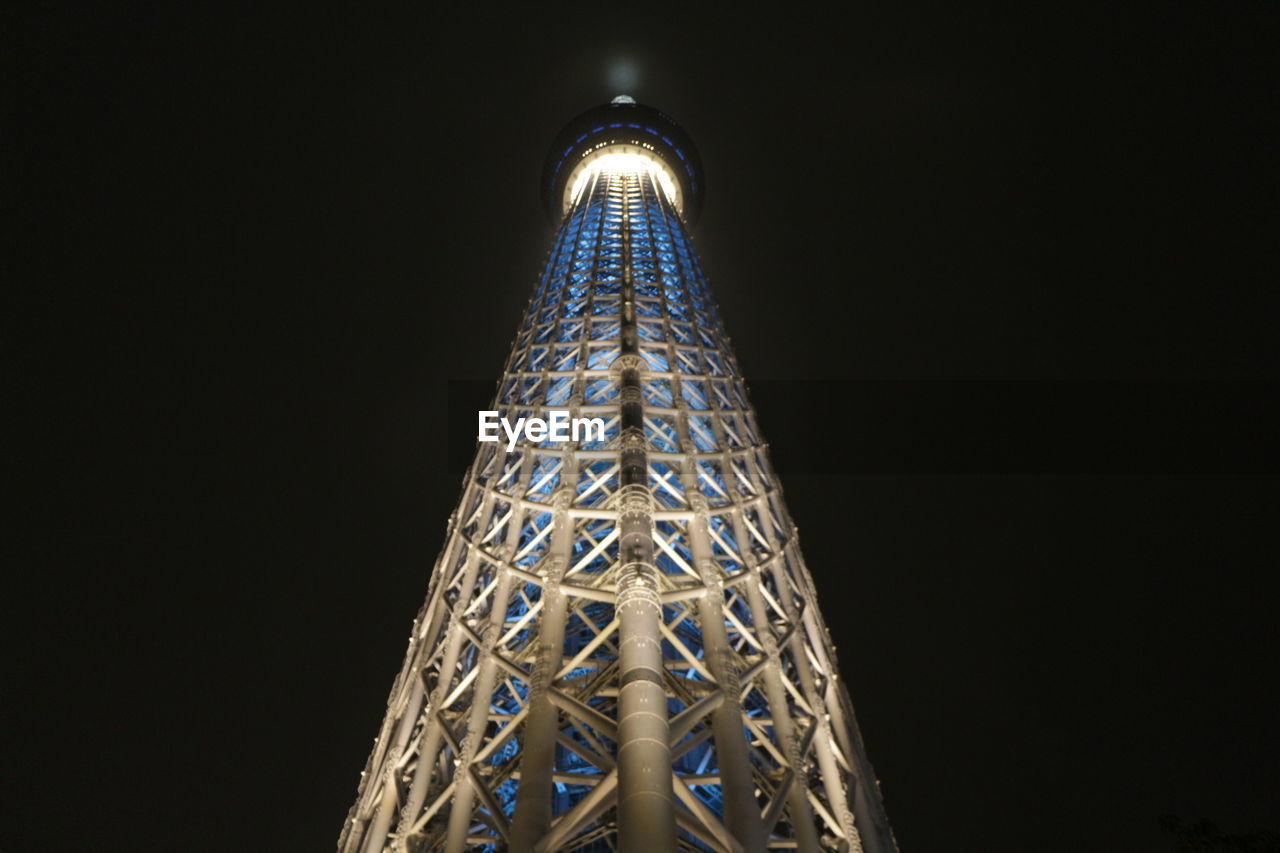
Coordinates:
(621, 647)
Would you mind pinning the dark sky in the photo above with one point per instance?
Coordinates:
(1027, 255)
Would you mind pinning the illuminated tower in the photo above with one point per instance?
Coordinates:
(621, 647)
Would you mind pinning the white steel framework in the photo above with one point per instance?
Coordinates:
(621, 647)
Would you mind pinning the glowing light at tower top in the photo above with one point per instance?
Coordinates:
(624, 137)
(622, 158)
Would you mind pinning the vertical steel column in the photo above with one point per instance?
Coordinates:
(859, 803)
(532, 815)
(381, 821)
(737, 783)
(426, 629)
(429, 739)
(464, 786)
(864, 797)
(822, 745)
(537, 763)
(775, 693)
(741, 811)
(646, 815)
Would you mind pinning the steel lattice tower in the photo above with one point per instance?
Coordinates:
(621, 647)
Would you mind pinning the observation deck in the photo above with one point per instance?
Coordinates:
(624, 131)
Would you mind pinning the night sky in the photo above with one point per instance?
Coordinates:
(1024, 259)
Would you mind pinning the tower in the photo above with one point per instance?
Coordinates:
(621, 646)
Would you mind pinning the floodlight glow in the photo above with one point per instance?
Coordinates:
(623, 159)
(624, 74)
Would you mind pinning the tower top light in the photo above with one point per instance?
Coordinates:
(623, 134)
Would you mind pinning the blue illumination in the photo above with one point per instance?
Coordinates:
(574, 321)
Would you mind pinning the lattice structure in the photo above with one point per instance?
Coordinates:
(621, 647)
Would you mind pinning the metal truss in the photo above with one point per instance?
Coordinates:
(621, 648)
